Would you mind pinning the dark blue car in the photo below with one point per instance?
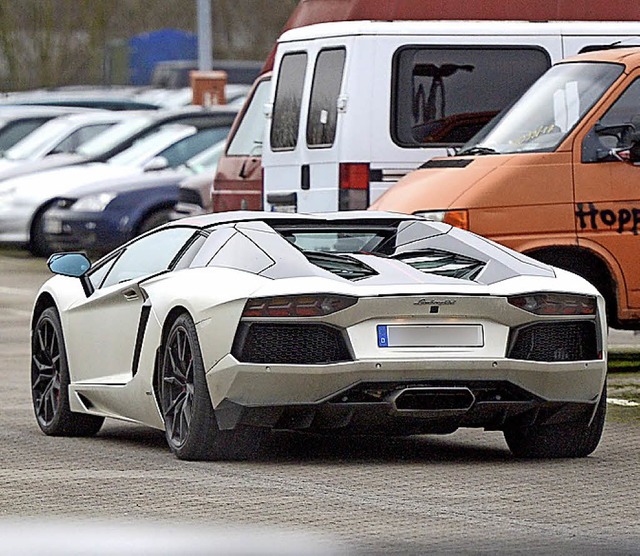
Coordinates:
(100, 217)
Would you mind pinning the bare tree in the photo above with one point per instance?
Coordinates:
(46, 43)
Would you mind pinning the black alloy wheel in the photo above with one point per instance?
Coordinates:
(178, 385)
(575, 439)
(50, 382)
(45, 372)
(191, 428)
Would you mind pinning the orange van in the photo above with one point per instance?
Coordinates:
(555, 176)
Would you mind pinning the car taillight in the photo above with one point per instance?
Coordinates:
(354, 186)
(458, 217)
(554, 304)
(297, 306)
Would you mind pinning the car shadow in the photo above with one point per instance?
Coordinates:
(281, 447)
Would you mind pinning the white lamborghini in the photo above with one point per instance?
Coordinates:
(223, 327)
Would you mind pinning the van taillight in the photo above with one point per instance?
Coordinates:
(354, 186)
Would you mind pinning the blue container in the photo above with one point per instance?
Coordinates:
(147, 49)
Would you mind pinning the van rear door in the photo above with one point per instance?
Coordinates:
(301, 169)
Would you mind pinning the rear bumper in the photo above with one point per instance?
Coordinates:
(349, 412)
(334, 396)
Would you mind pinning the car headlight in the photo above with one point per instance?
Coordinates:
(458, 217)
(93, 203)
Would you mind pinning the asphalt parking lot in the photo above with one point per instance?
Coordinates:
(461, 493)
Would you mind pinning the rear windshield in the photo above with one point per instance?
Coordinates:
(445, 95)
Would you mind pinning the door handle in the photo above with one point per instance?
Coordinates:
(130, 295)
(243, 170)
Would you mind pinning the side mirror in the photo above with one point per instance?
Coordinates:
(74, 265)
(155, 164)
(69, 264)
(634, 150)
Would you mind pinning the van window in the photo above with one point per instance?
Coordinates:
(323, 106)
(625, 110)
(247, 140)
(445, 95)
(288, 101)
(614, 129)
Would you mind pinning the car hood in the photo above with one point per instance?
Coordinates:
(438, 183)
(118, 184)
(57, 182)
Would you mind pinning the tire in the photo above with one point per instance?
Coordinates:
(153, 220)
(191, 429)
(38, 246)
(50, 382)
(564, 440)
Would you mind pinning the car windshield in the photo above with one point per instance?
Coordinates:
(207, 159)
(113, 136)
(34, 141)
(145, 149)
(547, 112)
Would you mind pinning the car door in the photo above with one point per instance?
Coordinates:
(238, 180)
(102, 331)
(607, 192)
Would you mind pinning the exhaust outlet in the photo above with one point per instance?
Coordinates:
(435, 401)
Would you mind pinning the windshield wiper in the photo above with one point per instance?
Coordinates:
(477, 149)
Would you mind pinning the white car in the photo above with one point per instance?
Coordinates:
(222, 327)
(63, 134)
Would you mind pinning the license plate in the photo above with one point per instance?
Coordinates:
(430, 335)
(283, 208)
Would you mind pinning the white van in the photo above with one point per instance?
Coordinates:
(358, 104)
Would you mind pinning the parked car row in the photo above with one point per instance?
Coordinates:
(93, 179)
(117, 98)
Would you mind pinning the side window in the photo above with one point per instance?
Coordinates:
(97, 274)
(614, 129)
(288, 102)
(444, 95)
(148, 255)
(247, 140)
(187, 148)
(227, 247)
(75, 139)
(13, 132)
(625, 110)
(241, 253)
(323, 105)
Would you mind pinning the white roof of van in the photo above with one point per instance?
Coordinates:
(451, 27)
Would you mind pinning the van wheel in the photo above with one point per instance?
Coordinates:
(575, 439)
